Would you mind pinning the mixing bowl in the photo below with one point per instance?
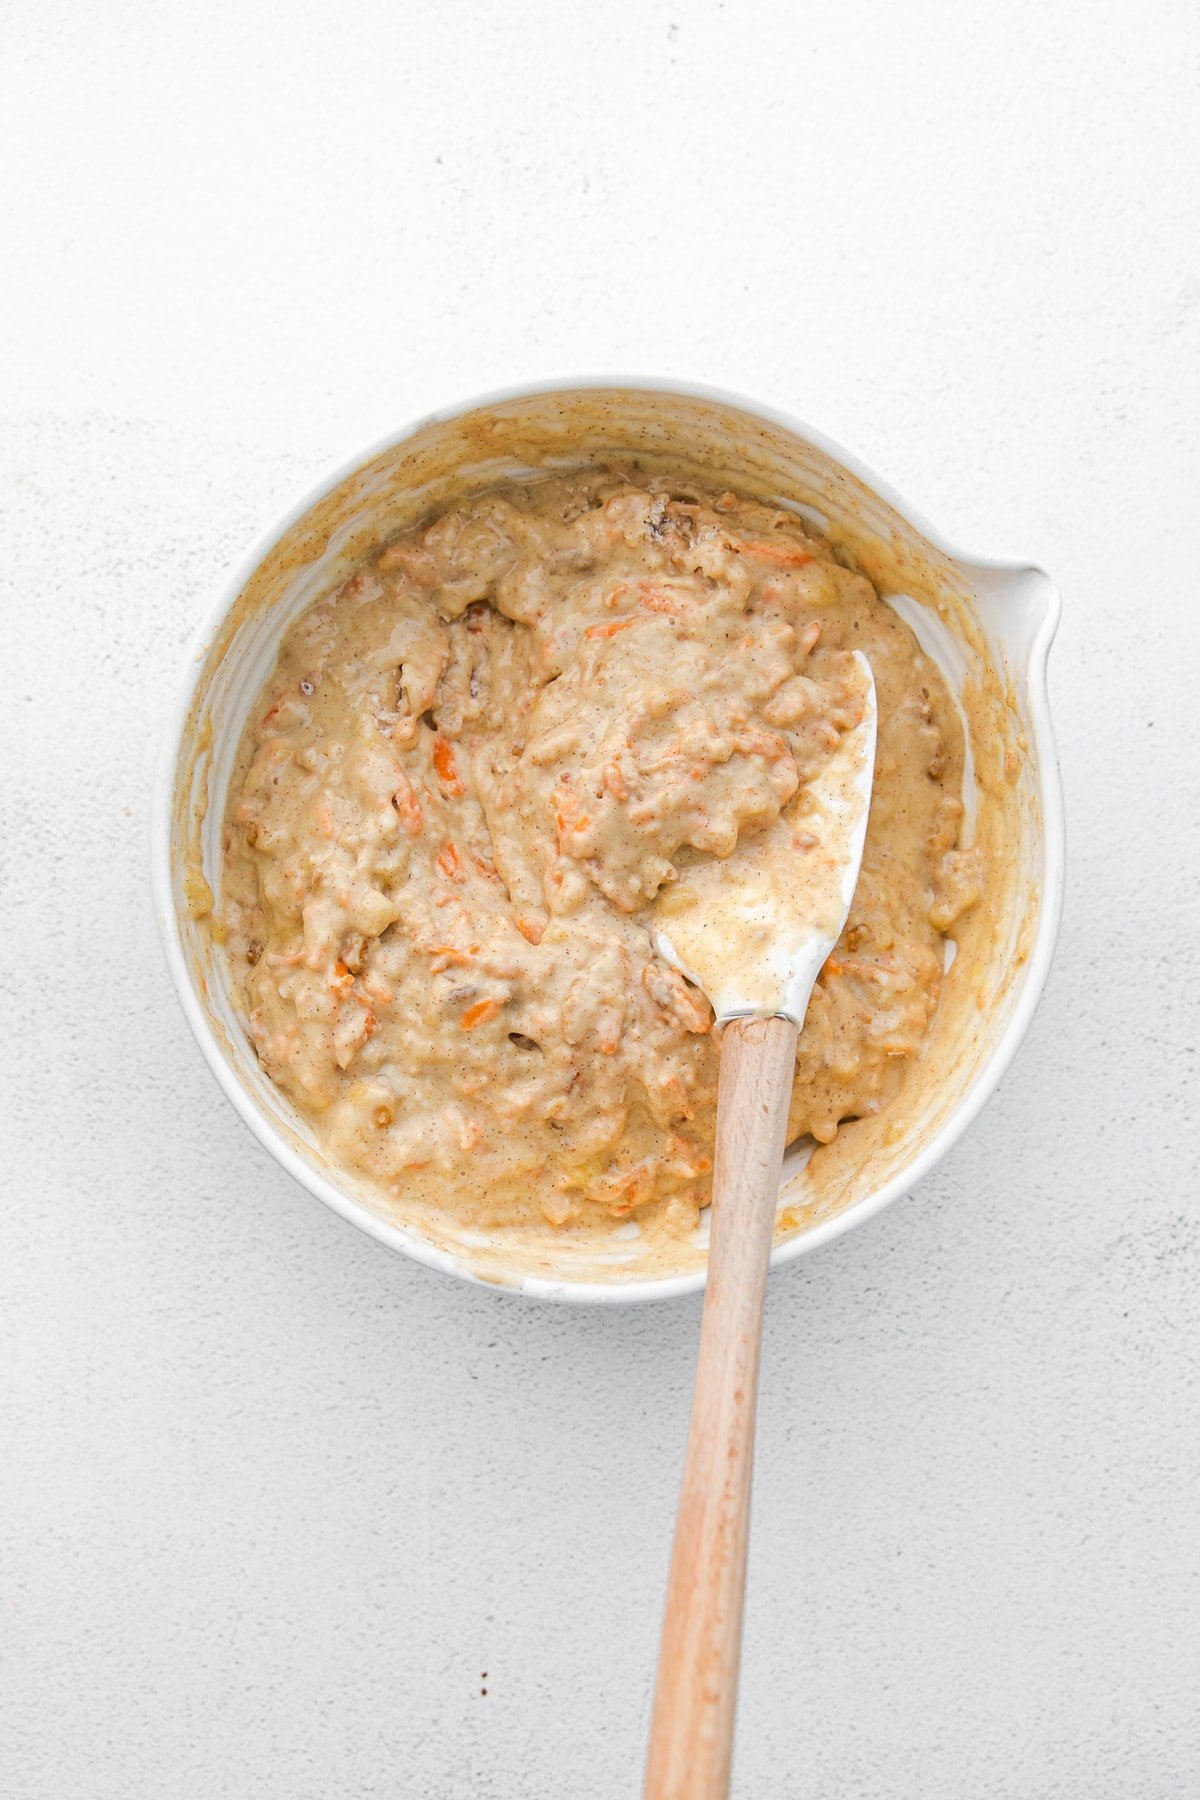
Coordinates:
(988, 624)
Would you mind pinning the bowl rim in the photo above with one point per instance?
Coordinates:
(996, 1063)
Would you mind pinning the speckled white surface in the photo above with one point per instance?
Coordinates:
(272, 1501)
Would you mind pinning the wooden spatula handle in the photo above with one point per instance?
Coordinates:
(691, 1733)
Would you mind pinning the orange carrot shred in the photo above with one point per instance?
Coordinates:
(790, 554)
(448, 952)
(408, 807)
(610, 629)
(447, 768)
(653, 599)
(614, 781)
(449, 862)
(479, 1014)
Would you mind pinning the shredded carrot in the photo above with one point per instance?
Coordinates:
(459, 958)
(880, 972)
(610, 629)
(408, 806)
(621, 588)
(341, 981)
(531, 929)
(652, 599)
(450, 863)
(791, 555)
(614, 781)
(479, 1014)
(753, 741)
(447, 768)
(831, 967)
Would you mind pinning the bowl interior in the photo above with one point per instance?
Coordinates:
(988, 626)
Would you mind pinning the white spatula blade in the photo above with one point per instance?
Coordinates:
(752, 930)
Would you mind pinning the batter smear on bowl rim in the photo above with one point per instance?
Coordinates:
(473, 776)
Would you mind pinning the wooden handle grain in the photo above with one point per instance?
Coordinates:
(691, 1732)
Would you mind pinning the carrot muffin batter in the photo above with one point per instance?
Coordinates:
(475, 768)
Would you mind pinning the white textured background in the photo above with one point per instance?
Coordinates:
(274, 1500)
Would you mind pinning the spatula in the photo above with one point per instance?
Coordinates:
(752, 931)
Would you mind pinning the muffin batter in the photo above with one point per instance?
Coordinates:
(473, 772)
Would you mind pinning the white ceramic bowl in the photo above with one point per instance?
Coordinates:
(989, 624)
